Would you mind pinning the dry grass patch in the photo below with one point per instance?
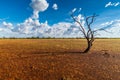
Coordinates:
(53, 59)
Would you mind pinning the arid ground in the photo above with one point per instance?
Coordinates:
(59, 59)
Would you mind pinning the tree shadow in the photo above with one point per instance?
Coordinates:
(57, 52)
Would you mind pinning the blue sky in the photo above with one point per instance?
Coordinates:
(18, 10)
(15, 12)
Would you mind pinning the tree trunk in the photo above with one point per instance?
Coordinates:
(89, 45)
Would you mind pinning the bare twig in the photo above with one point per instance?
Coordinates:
(88, 33)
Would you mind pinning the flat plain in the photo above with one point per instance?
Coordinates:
(59, 59)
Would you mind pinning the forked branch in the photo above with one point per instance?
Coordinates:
(87, 30)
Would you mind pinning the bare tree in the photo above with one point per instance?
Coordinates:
(86, 30)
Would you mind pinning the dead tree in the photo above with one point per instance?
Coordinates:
(86, 30)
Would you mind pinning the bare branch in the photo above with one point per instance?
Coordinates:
(81, 27)
(92, 20)
(89, 23)
(102, 29)
(88, 33)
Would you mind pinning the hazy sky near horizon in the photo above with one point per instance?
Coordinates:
(17, 15)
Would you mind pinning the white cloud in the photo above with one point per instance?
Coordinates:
(108, 4)
(112, 4)
(80, 9)
(80, 19)
(27, 26)
(118, 3)
(32, 26)
(112, 28)
(55, 6)
(8, 25)
(74, 10)
(38, 6)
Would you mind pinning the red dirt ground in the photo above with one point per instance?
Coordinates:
(20, 61)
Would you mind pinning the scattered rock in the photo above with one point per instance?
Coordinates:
(106, 55)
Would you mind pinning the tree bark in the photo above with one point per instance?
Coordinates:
(89, 45)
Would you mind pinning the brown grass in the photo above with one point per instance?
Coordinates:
(59, 59)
